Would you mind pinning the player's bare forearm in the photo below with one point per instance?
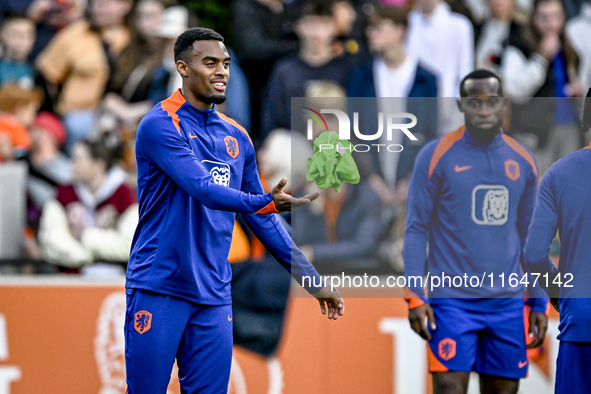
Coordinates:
(285, 202)
(331, 302)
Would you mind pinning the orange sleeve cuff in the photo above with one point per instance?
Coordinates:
(268, 209)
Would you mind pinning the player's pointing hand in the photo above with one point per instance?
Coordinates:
(331, 301)
(285, 202)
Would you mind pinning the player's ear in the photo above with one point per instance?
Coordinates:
(182, 68)
(459, 102)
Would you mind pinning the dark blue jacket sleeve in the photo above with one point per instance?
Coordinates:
(542, 229)
(421, 200)
(538, 299)
(159, 142)
(273, 235)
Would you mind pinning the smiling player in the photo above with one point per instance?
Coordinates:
(471, 197)
(196, 169)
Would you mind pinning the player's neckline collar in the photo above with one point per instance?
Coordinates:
(496, 141)
(190, 107)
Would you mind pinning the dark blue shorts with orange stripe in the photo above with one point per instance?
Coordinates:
(488, 342)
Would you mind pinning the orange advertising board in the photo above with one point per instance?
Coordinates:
(67, 337)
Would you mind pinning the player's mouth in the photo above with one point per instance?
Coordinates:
(219, 85)
(485, 124)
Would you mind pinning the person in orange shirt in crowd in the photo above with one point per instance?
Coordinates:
(18, 108)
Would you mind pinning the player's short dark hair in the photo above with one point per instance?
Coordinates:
(397, 15)
(184, 43)
(315, 8)
(480, 74)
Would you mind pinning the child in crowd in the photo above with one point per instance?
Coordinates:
(17, 35)
(18, 108)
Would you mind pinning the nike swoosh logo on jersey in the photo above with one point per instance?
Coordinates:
(522, 364)
(192, 136)
(230, 319)
(463, 168)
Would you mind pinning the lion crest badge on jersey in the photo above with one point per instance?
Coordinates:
(220, 172)
(512, 170)
(490, 205)
(232, 146)
(143, 321)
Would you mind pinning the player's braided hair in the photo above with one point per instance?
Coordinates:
(184, 43)
(587, 113)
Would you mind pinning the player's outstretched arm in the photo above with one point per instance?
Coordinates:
(285, 202)
(331, 302)
(418, 318)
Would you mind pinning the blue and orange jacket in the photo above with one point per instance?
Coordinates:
(563, 205)
(472, 203)
(196, 169)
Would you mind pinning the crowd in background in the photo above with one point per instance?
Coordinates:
(77, 76)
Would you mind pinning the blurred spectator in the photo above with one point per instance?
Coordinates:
(572, 7)
(349, 35)
(262, 35)
(284, 154)
(542, 63)
(443, 41)
(79, 58)
(493, 34)
(130, 82)
(578, 31)
(48, 15)
(93, 219)
(166, 80)
(340, 230)
(48, 166)
(18, 107)
(316, 30)
(18, 36)
(394, 76)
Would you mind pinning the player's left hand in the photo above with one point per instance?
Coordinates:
(538, 325)
(285, 202)
(332, 300)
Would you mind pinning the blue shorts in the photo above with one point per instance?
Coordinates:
(572, 368)
(491, 343)
(160, 328)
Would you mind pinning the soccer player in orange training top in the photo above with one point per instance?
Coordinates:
(471, 196)
(196, 169)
